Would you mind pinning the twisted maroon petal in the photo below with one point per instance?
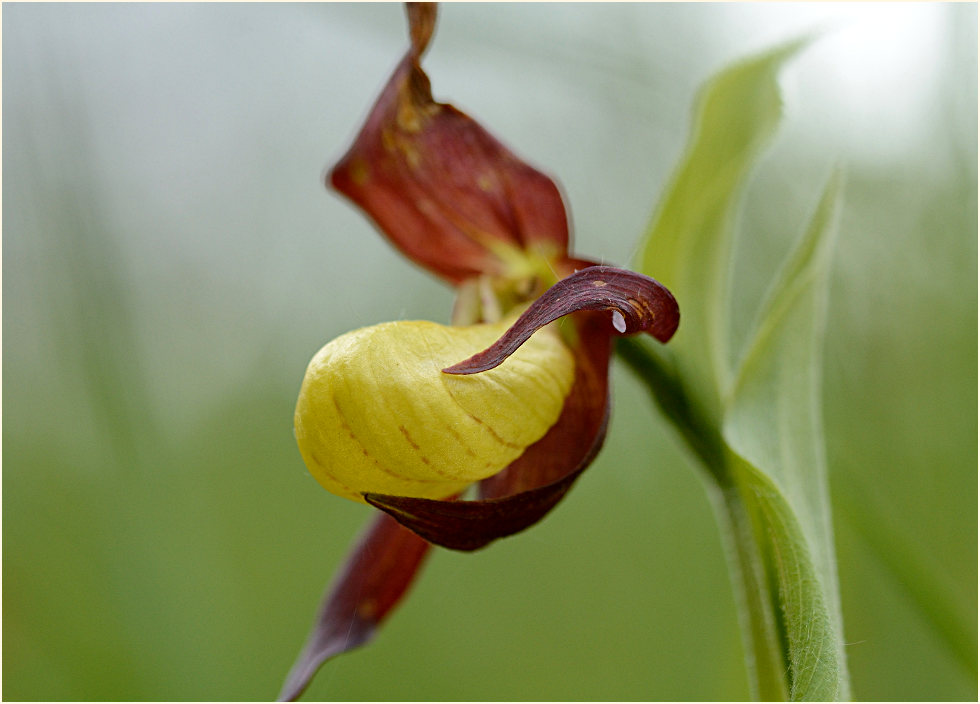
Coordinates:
(638, 304)
(378, 572)
(439, 186)
(576, 438)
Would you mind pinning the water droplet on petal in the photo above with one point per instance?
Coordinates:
(618, 321)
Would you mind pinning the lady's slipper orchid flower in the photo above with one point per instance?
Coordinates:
(512, 398)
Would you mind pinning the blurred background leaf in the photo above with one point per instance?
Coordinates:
(172, 261)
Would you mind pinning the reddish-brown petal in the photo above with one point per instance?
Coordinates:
(577, 436)
(378, 572)
(638, 304)
(522, 494)
(442, 189)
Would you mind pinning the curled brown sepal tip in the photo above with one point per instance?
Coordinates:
(637, 302)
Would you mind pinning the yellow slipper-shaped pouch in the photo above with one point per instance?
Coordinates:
(376, 413)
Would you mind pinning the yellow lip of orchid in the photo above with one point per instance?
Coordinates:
(376, 414)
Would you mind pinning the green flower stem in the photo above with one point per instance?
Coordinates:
(755, 599)
(653, 368)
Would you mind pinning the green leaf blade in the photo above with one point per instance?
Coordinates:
(688, 245)
(773, 424)
(805, 625)
(773, 417)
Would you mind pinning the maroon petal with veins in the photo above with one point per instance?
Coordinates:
(524, 492)
(378, 573)
(439, 186)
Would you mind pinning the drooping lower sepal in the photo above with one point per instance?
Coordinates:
(378, 572)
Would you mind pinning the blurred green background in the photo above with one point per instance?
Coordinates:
(171, 261)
